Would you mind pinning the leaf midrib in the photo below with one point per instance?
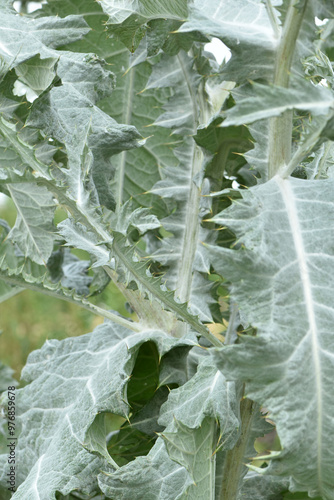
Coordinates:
(296, 231)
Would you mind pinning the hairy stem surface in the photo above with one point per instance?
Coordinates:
(235, 458)
(280, 128)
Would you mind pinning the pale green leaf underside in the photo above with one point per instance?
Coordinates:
(238, 20)
(192, 448)
(283, 284)
(33, 232)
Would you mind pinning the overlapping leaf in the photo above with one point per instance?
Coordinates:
(64, 275)
(62, 399)
(69, 114)
(283, 285)
(23, 37)
(135, 171)
(157, 20)
(190, 438)
(135, 480)
(181, 252)
(267, 101)
(245, 27)
(34, 231)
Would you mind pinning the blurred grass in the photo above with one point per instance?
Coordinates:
(28, 319)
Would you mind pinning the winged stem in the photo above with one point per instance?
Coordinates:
(280, 128)
(129, 88)
(280, 138)
(235, 458)
(192, 218)
(85, 304)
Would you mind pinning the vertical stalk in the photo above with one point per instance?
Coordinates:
(189, 244)
(128, 91)
(280, 137)
(280, 128)
(234, 461)
(191, 231)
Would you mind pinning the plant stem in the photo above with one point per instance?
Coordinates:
(231, 324)
(324, 159)
(190, 239)
(280, 128)
(272, 17)
(128, 92)
(85, 304)
(234, 461)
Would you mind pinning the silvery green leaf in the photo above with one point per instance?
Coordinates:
(183, 183)
(34, 231)
(77, 235)
(321, 162)
(268, 101)
(128, 216)
(258, 156)
(21, 148)
(245, 27)
(206, 394)
(135, 479)
(75, 274)
(64, 275)
(58, 406)
(135, 171)
(193, 449)
(69, 114)
(189, 415)
(263, 487)
(136, 270)
(34, 75)
(6, 290)
(240, 21)
(118, 12)
(178, 72)
(22, 37)
(282, 282)
(129, 23)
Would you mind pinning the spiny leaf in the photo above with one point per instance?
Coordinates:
(22, 37)
(152, 286)
(285, 292)
(34, 231)
(58, 406)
